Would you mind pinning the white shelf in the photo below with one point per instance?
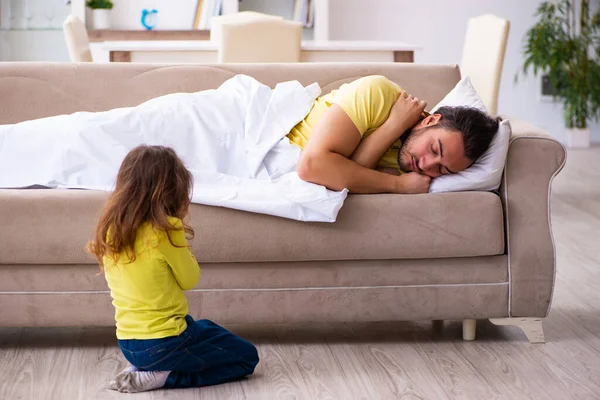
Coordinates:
(207, 45)
(320, 23)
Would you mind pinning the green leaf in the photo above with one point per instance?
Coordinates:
(99, 4)
(567, 50)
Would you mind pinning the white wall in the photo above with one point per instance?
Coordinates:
(437, 25)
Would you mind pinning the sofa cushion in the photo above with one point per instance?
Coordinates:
(44, 226)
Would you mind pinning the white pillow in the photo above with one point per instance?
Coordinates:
(486, 173)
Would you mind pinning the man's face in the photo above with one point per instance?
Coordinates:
(432, 150)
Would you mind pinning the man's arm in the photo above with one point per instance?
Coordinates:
(325, 160)
(372, 148)
(392, 171)
(405, 112)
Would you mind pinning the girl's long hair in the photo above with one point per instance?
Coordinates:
(152, 184)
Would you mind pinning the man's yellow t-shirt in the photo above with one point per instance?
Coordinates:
(148, 292)
(367, 101)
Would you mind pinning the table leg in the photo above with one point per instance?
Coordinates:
(404, 56)
(120, 56)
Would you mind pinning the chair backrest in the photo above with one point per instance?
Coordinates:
(78, 42)
(218, 21)
(260, 41)
(483, 56)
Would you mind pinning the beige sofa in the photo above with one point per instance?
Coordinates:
(464, 256)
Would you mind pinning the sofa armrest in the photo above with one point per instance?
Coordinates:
(534, 159)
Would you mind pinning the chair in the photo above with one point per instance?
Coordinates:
(216, 22)
(78, 42)
(260, 41)
(483, 56)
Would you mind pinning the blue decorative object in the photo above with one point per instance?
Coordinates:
(149, 18)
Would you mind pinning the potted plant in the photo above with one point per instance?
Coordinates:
(564, 45)
(100, 13)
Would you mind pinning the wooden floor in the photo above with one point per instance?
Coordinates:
(374, 361)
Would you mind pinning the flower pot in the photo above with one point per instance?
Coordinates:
(578, 138)
(101, 18)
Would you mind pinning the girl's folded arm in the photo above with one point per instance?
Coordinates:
(181, 260)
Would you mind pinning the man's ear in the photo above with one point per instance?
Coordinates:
(430, 120)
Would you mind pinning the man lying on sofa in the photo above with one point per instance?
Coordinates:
(231, 140)
(371, 137)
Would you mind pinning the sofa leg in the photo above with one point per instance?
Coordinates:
(437, 326)
(532, 327)
(469, 328)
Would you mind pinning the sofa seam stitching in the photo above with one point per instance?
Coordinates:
(271, 289)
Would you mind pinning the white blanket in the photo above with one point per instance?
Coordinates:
(232, 139)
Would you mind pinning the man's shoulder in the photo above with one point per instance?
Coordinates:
(378, 81)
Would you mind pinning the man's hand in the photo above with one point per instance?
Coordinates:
(413, 183)
(406, 112)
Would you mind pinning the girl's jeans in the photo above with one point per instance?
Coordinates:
(204, 354)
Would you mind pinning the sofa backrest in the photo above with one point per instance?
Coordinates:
(37, 90)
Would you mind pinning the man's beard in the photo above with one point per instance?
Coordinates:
(408, 139)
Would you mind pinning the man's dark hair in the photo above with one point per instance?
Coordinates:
(477, 127)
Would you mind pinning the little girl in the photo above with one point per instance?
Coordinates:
(141, 246)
